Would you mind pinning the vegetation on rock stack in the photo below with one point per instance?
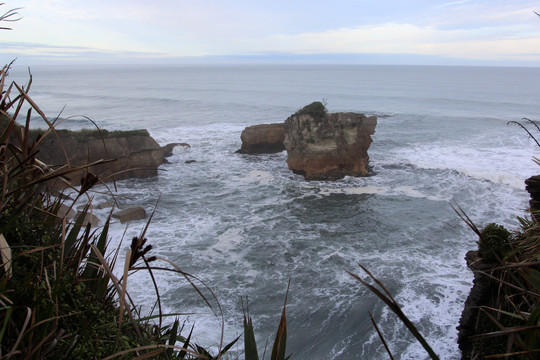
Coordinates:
(316, 109)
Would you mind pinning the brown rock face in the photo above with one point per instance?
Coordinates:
(135, 153)
(329, 147)
(135, 213)
(533, 188)
(262, 139)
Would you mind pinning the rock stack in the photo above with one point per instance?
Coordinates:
(330, 146)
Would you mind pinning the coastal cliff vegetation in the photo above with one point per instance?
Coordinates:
(61, 299)
(59, 296)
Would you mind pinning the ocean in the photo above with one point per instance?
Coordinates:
(244, 225)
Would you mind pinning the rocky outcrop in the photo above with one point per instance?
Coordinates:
(479, 296)
(132, 153)
(533, 188)
(262, 139)
(88, 218)
(134, 213)
(328, 146)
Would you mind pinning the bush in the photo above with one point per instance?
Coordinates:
(494, 243)
(59, 298)
(316, 109)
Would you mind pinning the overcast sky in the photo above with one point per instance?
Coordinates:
(462, 31)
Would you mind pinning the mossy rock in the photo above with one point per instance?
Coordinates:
(316, 110)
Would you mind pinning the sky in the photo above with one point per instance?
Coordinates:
(458, 32)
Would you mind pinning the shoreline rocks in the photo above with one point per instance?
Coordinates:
(127, 153)
(133, 213)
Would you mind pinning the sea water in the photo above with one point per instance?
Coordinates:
(245, 225)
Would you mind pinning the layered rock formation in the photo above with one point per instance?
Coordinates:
(324, 146)
(479, 296)
(262, 139)
(533, 188)
(134, 213)
(133, 153)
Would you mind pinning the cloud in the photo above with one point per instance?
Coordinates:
(407, 39)
(170, 28)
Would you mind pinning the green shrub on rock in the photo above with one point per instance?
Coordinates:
(494, 243)
(316, 109)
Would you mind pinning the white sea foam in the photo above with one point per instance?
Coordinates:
(263, 177)
(353, 190)
(227, 245)
(245, 224)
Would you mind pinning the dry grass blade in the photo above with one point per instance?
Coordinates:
(280, 343)
(116, 285)
(21, 333)
(122, 294)
(381, 336)
(9, 16)
(463, 216)
(532, 354)
(393, 305)
(507, 331)
(5, 252)
(157, 346)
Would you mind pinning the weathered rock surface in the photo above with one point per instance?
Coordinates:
(134, 153)
(134, 213)
(262, 139)
(479, 296)
(65, 211)
(88, 218)
(168, 149)
(105, 205)
(533, 188)
(329, 147)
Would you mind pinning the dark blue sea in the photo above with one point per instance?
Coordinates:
(244, 225)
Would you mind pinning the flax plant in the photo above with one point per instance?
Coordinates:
(59, 295)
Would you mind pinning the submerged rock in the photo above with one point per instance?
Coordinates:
(134, 213)
(323, 146)
(88, 218)
(263, 139)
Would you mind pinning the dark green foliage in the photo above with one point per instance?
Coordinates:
(494, 243)
(59, 298)
(280, 342)
(316, 109)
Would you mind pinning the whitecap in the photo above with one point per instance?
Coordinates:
(353, 190)
(260, 176)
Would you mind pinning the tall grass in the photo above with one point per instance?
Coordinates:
(59, 296)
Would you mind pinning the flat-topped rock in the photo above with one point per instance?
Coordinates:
(262, 139)
(134, 213)
(322, 146)
(132, 153)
